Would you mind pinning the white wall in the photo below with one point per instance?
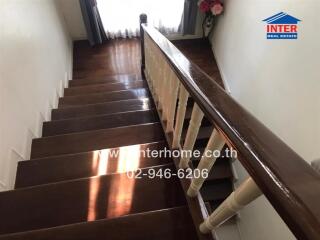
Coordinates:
(73, 17)
(35, 63)
(278, 81)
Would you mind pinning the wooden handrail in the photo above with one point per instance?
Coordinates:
(289, 183)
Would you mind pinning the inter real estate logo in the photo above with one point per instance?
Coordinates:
(282, 26)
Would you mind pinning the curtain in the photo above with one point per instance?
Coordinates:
(189, 19)
(92, 21)
(121, 17)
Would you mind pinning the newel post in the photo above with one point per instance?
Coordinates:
(143, 20)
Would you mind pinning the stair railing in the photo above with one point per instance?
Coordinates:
(288, 182)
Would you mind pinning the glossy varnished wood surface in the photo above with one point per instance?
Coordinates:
(102, 108)
(102, 80)
(138, 93)
(289, 183)
(99, 122)
(200, 53)
(83, 200)
(72, 188)
(114, 57)
(103, 88)
(99, 117)
(94, 140)
(169, 224)
(87, 164)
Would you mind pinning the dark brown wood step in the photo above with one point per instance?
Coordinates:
(138, 93)
(216, 190)
(99, 122)
(89, 199)
(101, 71)
(73, 166)
(102, 108)
(220, 170)
(98, 72)
(107, 79)
(101, 88)
(170, 224)
(96, 140)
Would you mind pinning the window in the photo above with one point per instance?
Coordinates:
(121, 17)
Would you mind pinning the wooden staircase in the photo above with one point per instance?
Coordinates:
(72, 188)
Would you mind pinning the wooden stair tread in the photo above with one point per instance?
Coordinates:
(216, 190)
(138, 93)
(72, 189)
(98, 72)
(95, 140)
(220, 170)
(81, 165)
(170, 224)
(102, 108)
(88, 199)
(99, 122)
(100, 88)
(106, 79)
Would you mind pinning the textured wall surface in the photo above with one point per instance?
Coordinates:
(35, 63)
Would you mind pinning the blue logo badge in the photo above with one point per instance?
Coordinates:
(282, 26)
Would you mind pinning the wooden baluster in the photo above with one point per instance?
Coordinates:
(242, 196)
(181, 112)
(165, 90)
(160, 80)
(192, 133)
(147, 60)
(154, 76)
(152, 72)
(157, 72)
(172, 99)
(215, 143)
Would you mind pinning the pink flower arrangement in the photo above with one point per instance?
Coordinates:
(215, 7)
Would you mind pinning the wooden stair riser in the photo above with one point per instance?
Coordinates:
(107, 79)
(82, 165)
(71, 101)
(99, 122)
(170, 224)
(85, 200)
(102, 88)
(102, 109)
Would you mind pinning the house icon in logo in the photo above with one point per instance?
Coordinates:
(282, 26)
